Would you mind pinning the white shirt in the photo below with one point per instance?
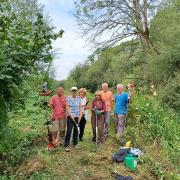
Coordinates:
(83, 104)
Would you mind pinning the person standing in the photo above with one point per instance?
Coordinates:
(98, 108)
(84, 104)
(130, 88)
(121, 104)
(74, 115)
(58, 105)
(108, 97)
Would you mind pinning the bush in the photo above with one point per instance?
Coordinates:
(157, 123)
(170, 94)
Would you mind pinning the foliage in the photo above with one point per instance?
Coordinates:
(155, 130)
(156, 122)
(130, 62)
(170, 94)
(106, 23)
(25, 43)
(21, 135)
(23, 145)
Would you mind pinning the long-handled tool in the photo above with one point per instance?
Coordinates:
(50, 137)
(96, 130)
(44, 92)
(77, 126)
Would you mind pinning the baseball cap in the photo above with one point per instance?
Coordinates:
(74, 88)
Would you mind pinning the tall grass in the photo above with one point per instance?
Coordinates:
(157, 123)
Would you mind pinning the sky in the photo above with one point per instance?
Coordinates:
(71, 48)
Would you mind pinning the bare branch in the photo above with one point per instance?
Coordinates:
(107, 22)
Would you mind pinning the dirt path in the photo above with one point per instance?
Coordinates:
(83, 163)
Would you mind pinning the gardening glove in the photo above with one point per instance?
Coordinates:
(97, 112)
(95, 108)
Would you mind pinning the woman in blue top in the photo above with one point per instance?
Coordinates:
(121, 103)
(74, 115)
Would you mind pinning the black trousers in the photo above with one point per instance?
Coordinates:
(82, 126)
(70, 126)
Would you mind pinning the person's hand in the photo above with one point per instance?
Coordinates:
(95, 108)
(86, 107)
(72, 117)
(97, 112)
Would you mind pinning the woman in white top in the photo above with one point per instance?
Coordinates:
(84, 104)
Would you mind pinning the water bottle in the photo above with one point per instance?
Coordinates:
(130, 162)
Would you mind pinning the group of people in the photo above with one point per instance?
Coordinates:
(69, 113)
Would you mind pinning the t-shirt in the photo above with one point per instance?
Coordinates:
(121, 102)
(59, 107)
(83, 104)
(74, 104)
(108, 98)
(100, 105)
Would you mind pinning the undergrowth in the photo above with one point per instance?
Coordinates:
(150, 127)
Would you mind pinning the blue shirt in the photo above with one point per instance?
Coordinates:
(121, 102)
(74, 105)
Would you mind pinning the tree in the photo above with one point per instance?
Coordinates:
(107, 22)
(25, 43)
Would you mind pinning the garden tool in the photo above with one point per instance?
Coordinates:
(96, 130)
(77, 126)
(44, 92)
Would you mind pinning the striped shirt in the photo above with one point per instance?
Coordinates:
(74, 104)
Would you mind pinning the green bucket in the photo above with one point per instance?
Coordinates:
(130, 162)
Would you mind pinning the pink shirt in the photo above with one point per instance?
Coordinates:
(108, 98)
(100, 105)
(59, 107)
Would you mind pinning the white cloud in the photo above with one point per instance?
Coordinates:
(72, 48)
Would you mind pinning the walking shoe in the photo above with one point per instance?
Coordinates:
(76, 146)
(67, 149)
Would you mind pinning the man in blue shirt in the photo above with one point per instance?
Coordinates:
(121, 104)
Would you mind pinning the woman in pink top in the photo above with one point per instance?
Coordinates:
(58, 105)
(98, 108)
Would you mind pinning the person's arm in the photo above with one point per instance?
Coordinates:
(103, 107)
(92, 106)
(86, 106)
(128, 100)
(112, 101)
(51, 103)
(69, 111)
(80, 113)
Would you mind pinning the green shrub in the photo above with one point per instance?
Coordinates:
(155, 122)
(170, 94)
